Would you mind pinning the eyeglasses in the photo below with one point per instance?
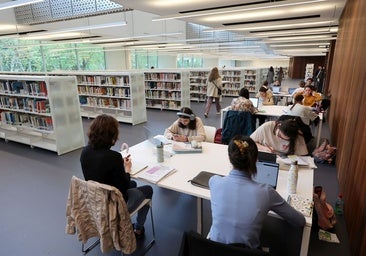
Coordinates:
(280, 135)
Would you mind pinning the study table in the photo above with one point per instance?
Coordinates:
(276, 111)
(214, 158)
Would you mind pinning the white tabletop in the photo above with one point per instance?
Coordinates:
(214, 158)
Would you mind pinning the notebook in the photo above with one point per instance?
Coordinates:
(267, 173)
(254, 101)
(201, 179)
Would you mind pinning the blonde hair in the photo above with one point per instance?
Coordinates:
(214, 74)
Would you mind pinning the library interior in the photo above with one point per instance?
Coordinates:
(177, 87)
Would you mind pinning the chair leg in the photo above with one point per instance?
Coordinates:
(150, 244)
(89, 248)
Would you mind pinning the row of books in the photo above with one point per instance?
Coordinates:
(105, 102)
(27, 120)
(37, 88)
(162, 76)
(163, 104)
(101, 80)
(108, 91)
(163, 85)
(200, 89)
(231, 79)
(231, 73)
(163, 94)
(26, 104)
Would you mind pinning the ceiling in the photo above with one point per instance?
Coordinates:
(223, 28)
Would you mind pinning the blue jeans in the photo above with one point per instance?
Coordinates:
(135, 197)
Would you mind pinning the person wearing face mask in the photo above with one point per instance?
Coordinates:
(186, 128)
(280, 137)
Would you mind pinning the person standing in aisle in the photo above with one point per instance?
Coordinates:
(214, 87)
(270, 75)
(101, 164)
(280, 75)
(240, 205)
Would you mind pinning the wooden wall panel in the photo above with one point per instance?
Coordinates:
(347, 118)
(297, 65)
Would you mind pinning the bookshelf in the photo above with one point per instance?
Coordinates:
(41, 111)
(119, 94)
(235, 79)
(167, 89)
(197, 83)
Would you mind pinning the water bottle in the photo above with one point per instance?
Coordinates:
(339, 205)
(160, 152)
(292, 178)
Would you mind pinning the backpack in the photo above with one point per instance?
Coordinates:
(324, 211)
(325, 153)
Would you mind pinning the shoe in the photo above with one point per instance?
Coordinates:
(139, 233)
(206, 115)
(218, 113)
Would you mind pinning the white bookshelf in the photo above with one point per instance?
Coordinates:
(119, 94)
(235, 79)
(167, 89)
(41, 111)
(198, 84)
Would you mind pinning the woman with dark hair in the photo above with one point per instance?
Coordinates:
(242, 103)
(100, 163)
(239, 204)
(280, 137)
(298, 109)
(214, 85)
(270, 75)
(186, 128)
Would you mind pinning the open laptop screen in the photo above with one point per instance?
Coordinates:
(267, 173)
(254, 101)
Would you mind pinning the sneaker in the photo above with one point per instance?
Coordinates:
(218, 113)
(206, 115)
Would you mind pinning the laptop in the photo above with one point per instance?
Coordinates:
(276, 89)
(254, 101)
(291, 90)
(267, 173)
(267, 157)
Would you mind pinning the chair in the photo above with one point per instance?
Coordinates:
(210, 133)
(193, 244)
(99, 210)
(236, 123)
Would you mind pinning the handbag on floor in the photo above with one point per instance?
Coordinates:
(324, 211)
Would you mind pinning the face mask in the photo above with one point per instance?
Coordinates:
(284, 144)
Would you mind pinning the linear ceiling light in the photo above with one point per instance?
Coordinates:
(232, 10)
(295, 45)
(13, 4)
(35, 36)
(296, 32)
(277, 26)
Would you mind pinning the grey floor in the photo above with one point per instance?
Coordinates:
(34, 185)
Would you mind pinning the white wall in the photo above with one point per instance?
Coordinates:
(167, 61)
(210, 62)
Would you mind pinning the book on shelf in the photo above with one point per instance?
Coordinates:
(155, 173)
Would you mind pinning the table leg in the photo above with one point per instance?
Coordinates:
(305, 241)
(320, 126)
(199, 215)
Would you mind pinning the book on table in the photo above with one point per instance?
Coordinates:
(155, 173)
(301, 203)
(183, 147)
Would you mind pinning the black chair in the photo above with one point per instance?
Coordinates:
(193, 244)
(236, 123)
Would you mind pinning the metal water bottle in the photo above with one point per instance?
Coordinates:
(160, 152)
(292, 178)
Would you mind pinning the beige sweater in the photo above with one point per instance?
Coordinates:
(98, 210)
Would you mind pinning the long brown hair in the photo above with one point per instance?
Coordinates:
(298, 100)
(214, 74)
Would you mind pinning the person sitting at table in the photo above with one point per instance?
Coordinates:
(299, 90)
(101, 164)
(280, 137)
(311, 97)
(186, 128)
(265, 96)
(298, 109)
(239, 204)
(242, 103)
